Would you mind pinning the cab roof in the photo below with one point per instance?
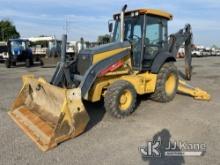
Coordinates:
(155, 12)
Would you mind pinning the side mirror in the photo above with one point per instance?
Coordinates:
(110, 27)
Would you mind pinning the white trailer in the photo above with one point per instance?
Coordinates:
(45, 45)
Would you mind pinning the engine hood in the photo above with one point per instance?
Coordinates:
(105, 48)
(86, 57)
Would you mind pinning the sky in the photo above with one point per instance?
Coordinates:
(89, 18)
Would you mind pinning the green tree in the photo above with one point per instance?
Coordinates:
(104, 39)
(8, 30)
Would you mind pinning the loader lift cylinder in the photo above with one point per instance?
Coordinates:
(62, 73)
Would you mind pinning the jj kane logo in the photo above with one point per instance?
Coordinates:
(172, 148)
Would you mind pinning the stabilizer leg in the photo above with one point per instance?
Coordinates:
(197, 93)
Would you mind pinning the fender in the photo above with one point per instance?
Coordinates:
(160, 59)
(94, 70)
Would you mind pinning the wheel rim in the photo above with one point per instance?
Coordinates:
(170, 84)
(125, 100)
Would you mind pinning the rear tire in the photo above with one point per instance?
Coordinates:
(14, 63)
(120, 99)
(41, 62)
(28, 63)
(167, 83)
(32, 62)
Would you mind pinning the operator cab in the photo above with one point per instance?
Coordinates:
(146, 30)
(18, 44)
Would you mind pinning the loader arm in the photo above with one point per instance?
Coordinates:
(176, 40)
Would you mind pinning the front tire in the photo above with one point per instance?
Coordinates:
(8, 63)
(120, 99)
(167, 83)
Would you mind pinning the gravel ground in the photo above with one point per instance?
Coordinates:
(112, 141)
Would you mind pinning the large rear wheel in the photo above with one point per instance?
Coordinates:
(14, 63)
(120, 99)
(28, 62)
(167, 83)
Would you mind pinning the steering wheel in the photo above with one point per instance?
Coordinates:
(134, 40)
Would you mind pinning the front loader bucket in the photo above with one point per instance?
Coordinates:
(48, 114)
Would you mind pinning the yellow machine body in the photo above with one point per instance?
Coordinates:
(143, 83)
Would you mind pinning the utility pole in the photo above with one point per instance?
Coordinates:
(66, 25)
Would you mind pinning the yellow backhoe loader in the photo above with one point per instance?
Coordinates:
(139, 60)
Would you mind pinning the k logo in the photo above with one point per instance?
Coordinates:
(151, 149)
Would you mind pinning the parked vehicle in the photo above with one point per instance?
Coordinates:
(197, 53)
(3, 51)
(181, 53)
(74, 47)
(217, 52)
(18, 51)
(47, 48)
(207, 52)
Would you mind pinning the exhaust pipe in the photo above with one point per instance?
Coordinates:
(122, 16)
(63, 48)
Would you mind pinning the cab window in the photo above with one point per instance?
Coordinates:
(155, 38)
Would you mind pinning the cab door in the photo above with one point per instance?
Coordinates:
(134, 28)
(155, 39)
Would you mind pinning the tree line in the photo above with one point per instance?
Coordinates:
(8, 30)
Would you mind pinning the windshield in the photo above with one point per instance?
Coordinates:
(18, 44)
(133, 28)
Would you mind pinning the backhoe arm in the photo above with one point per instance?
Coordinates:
(176, 40)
